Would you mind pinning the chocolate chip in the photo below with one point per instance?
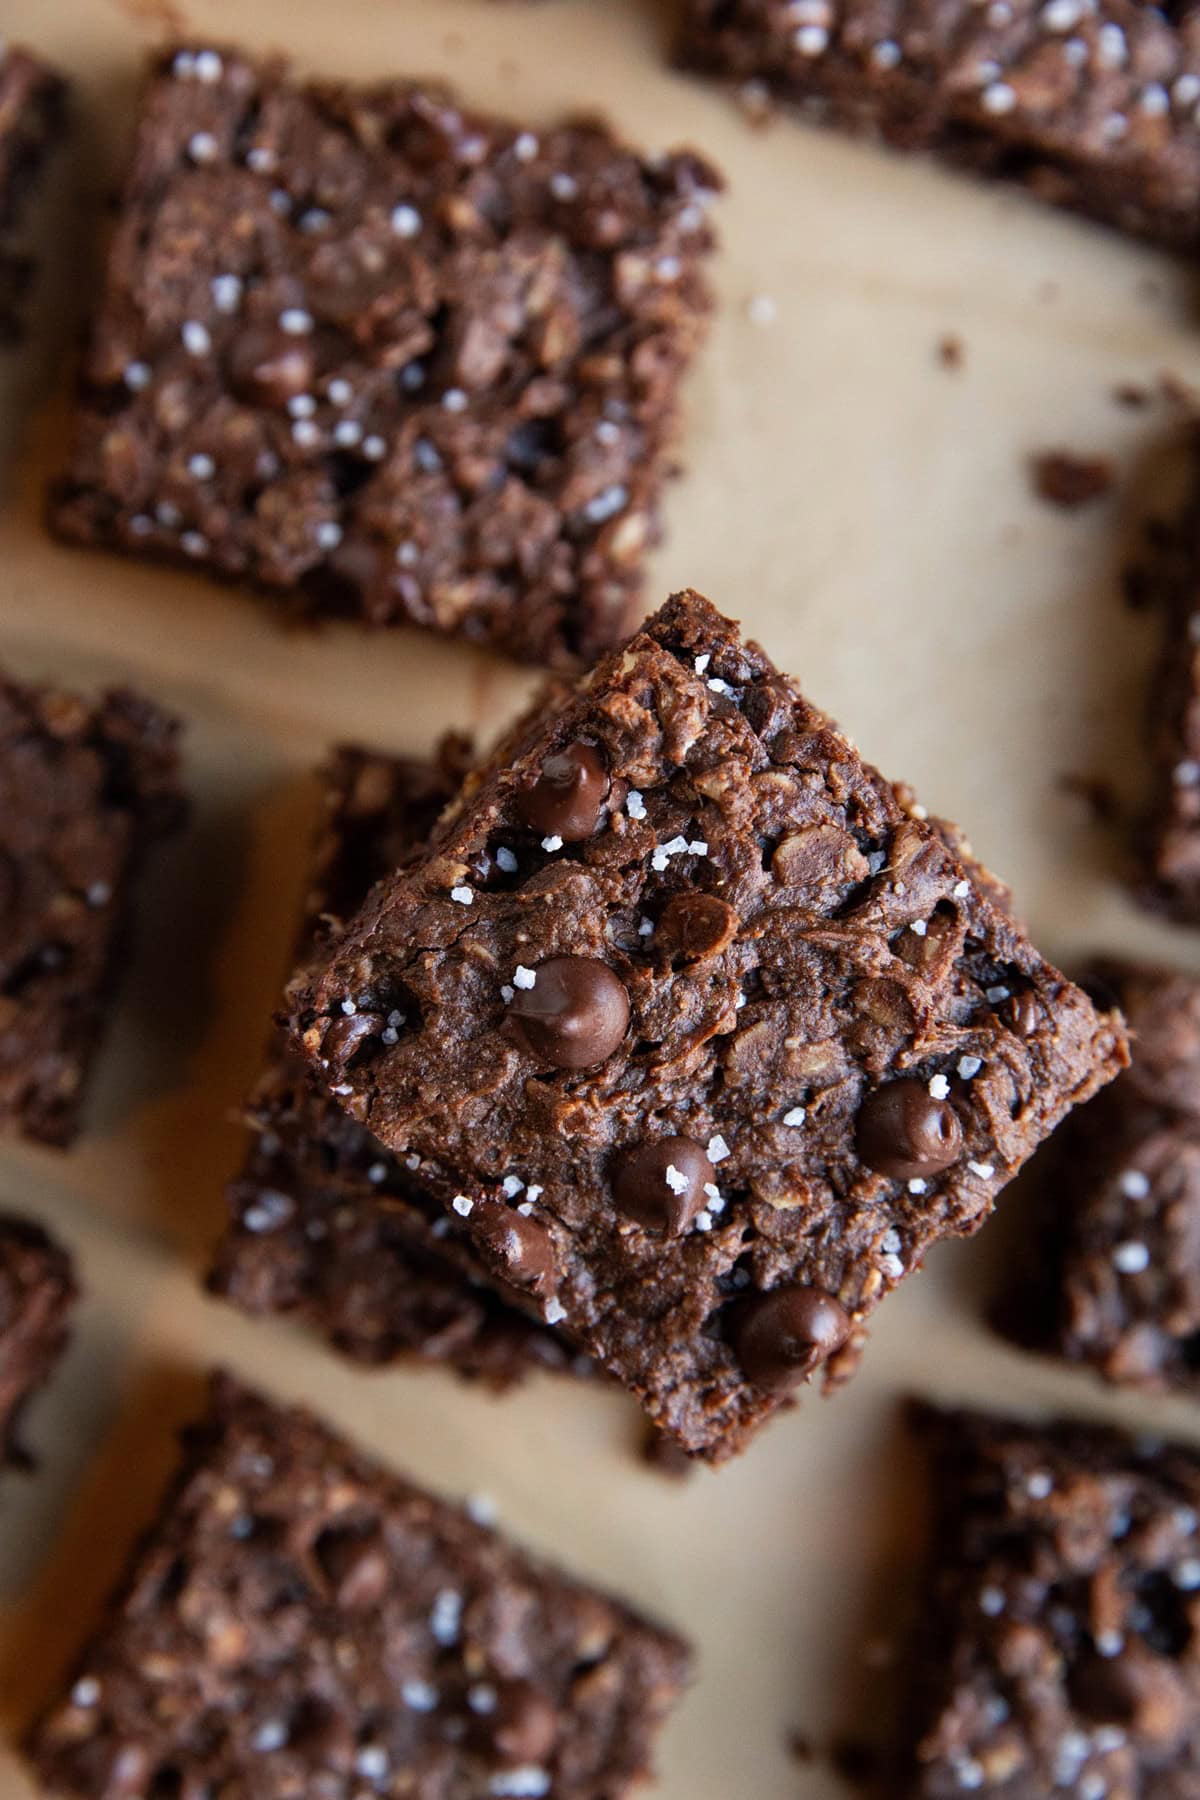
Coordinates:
(354, 1561)
(346, 1035)
(521, 1246)
(905, 1133)
(660, 1184)
(567, 798)
(522, 1726)
(695, 925)
(781, 1337)
(269, 367)
(1137, 1690)
(574, 1015)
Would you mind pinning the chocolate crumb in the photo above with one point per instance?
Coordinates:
(951, 351)
(801, 1747)
(1129, 394)
(1064, 479)
(666, 1457)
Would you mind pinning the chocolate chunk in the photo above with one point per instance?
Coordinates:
(575, 1014)
(781, 1337)
(346, 1035)
(905, 1133)
(661, 1183)
(568, 796)
(522, 1246)
(270, 368)
(355, 1563)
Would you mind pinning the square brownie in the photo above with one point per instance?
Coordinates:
(85, 787)
(31, 118)
(390, 359)
(1168, 839)
(37, 1292)
(1058, 1648)
(704, 1036)
(326, 1225)
(1088, 104)
(1120, 1274)
(301, 1622)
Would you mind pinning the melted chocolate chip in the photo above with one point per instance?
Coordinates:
(781, 1337)
(522, 1726)
(661, 1184)
(354, 1562)
(345, 1036)
(270, 367)
(574, 1015)
(567, 799)
(904, 1132)
(521, 1246)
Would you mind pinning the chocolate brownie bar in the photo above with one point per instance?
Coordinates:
(300, 1621)
(1168, 836)
(326, 1224)
(1120, 1281)
(85, 787)
(388, 358)
(1089, 104)
(37, 1291)
(1058, 1649)
(31, 116)
(704, 1036)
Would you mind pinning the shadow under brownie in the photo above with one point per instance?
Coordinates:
(301, 1622)
(390, 359)
(37, 1292)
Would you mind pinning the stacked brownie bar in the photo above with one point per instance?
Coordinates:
(388, 358)
(86, 786)
(299, 1622)
(702, 1036)
(1057, 1648)
(327, 1225)
(37, 1292)
(31, 110)
(1089, 104)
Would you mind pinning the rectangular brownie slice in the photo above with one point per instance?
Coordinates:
(326, 1225)
(1089, 104)
(37, 1291)
(85, 786)
(1168, 837)
(31, 117)
(1120, 1274)
(1057, 1645)
(388, 358)
(300, 1621)
(704, 1035)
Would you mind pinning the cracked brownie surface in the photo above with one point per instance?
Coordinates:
(1088, 104)
(701, 1033)
(1057, 1650)
(299, 1621)
(389, 358)
(85, 787)
(37, 1292)
(326, 1224)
